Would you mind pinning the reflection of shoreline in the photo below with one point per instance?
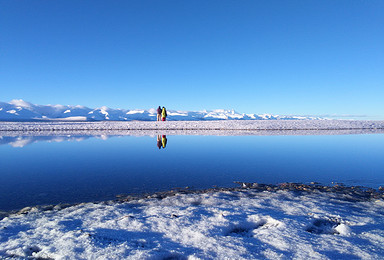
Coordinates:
(22, 138)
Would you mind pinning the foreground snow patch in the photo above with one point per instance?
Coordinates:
(221, 225)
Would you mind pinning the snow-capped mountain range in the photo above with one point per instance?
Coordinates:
(20, 110)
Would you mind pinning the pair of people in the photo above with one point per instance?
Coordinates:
(161, 114)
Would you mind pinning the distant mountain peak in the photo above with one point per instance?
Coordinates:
(20, 103)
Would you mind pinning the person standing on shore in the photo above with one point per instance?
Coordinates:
(159, 113)
(163, 114)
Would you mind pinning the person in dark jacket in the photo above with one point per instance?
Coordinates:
(159, 110)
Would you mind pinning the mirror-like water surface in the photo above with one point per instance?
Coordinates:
(52, 170)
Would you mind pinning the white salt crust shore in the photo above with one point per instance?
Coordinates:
(214, 225)
(223, 127)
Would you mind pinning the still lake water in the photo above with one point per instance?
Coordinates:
(94, 169)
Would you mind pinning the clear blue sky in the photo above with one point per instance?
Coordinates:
(284, 57)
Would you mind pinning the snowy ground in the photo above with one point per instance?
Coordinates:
(244, 224)
(227, 127)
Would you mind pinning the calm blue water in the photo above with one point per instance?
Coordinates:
(48, 172)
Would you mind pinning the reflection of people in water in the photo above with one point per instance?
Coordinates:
(159, 144)
(164, 141)
(161, 141)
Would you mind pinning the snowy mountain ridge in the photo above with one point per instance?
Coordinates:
(20, 110)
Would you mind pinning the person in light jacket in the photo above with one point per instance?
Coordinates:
(163, 114)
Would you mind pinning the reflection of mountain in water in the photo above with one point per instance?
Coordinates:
(21, 141)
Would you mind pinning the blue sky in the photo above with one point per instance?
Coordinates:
(281, 57)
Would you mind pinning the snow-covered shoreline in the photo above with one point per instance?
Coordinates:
(242, 224)
(227, 127)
